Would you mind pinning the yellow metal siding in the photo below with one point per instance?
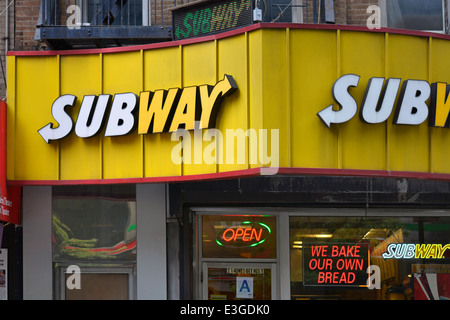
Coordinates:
(284, 77)
(162, 71)
(80, 158)
(313, 69)
(439, 137)
(37, 85)
(408, 145)
(122, 156)
(363, 146)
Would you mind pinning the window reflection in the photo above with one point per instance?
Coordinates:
(398, 277)
(94, 223)
(415, 14)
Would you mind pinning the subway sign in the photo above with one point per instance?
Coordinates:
(150, 112)
(411, 102)
(416, 251)
(210, 17)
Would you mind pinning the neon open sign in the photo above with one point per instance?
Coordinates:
(247, 234)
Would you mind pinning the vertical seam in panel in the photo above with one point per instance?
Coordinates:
(247, 98)
(216, 56)
(429, 128)
(181, 86)
(388, 123)
(58, 146)
(142, 135)
(288, 97)
(338, 74)
(101, 140)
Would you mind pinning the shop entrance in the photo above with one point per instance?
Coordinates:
(237, 257)
(238, 281)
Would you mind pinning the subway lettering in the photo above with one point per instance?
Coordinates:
(408, 102)
(150, 112)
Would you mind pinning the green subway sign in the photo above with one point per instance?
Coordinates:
(210, 17)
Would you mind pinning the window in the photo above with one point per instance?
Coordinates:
(239, 237)
(130, 12)
(94, 229)
(330, 255)
(421, 15)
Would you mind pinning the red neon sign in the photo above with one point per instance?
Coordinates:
(242, 234)
(248, 234)
(340, 264)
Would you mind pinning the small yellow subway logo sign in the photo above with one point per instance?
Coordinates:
(415, 251)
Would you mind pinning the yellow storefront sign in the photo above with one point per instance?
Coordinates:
(284, 75)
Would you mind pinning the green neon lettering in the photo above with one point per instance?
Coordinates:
(228, 11)
(196, 23)
(206, 26)
(185, 33)
(238, 9)
(217, 17)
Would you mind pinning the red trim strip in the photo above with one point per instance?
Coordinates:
(230, 33)
(241, 174)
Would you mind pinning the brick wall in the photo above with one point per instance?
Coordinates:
(27, 13)
(5, 33)
(347, 12)
(357, 11)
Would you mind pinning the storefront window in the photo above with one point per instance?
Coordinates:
(94, 229)
(239, 237)
(416, 14)
(94, 223)
(370, 258)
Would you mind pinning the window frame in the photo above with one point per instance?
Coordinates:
(445, 17)
(60, 277)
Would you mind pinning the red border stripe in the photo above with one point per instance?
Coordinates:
(242, 174)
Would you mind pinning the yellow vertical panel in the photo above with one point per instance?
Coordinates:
(233, 113)
(11, 116)
(363, 145)
(440, 137)
(313, 64)
(80, 157)
(199, 67)
(37, 84)
(255, 82)
(275, 108)
(408, 145)
(162, 70)
(122, 156)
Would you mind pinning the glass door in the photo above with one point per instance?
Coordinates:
(238, 281)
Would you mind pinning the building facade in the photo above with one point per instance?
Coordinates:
(239, 159)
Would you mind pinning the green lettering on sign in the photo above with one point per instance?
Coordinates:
(211, 18)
